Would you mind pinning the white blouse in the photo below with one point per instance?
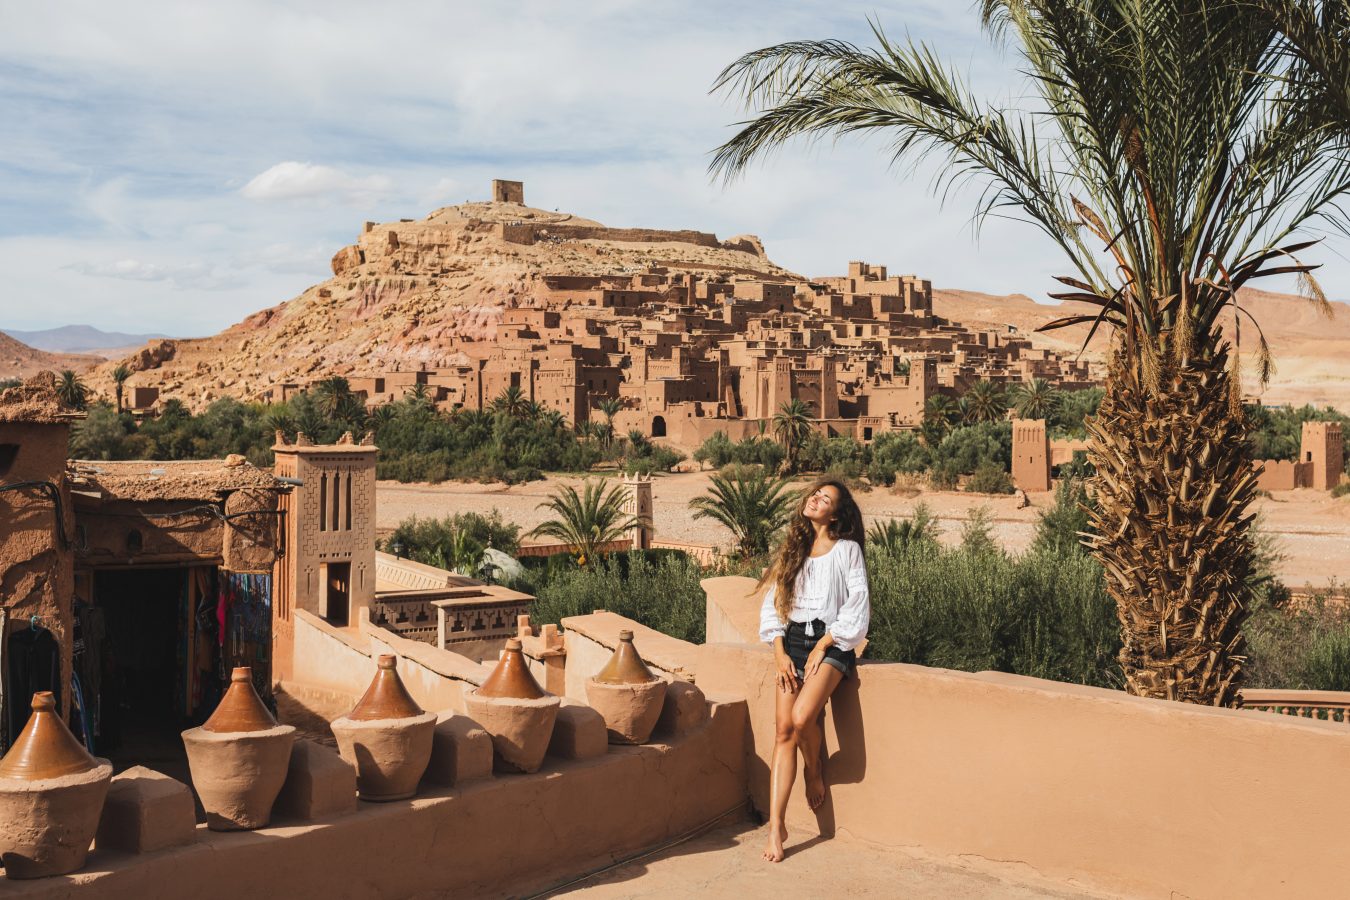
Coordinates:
(832, 588)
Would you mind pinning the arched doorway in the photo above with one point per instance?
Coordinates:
(658, 426)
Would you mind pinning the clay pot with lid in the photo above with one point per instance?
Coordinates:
(238, 758)
(51, 796)
(386, 736)
(627, 694)
(518, 713)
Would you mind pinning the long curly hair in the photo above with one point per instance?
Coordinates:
(801, 535)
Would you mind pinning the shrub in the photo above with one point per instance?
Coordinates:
(422, 538)
(719, 451)
(661, 590)
(896, 451)
(990, 478)
(1058, 528)
(970, 446)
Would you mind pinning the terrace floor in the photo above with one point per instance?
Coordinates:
(725, 862)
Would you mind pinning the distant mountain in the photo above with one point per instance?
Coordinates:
(79, 339)
(18, 360)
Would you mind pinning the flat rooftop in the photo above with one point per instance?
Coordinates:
(726, 862)
(145, 480)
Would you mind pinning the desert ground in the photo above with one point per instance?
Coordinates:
(1311, 529)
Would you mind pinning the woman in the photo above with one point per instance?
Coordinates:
(815, 612)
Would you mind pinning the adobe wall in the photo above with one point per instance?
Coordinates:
(1030, 455)
(1118, 793)
(37, 573)
(591, 640)
(1283, 474)
(627, 235)
(342, 660)
(508, 835)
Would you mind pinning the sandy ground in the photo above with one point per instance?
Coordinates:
(726, 862)
(1311, 528)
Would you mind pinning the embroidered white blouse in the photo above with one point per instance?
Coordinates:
(832, 588)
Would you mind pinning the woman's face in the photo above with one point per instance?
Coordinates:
(823, 505)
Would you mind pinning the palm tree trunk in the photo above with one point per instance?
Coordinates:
(1174, 483)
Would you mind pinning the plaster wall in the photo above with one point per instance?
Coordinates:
(342, 660)
(506, 836)
(37, 575)
(1124, 794)
(591, 640)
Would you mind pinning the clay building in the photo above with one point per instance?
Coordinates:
(129, 588)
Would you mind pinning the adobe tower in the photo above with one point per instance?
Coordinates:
(1031, 455)
(1323, 447)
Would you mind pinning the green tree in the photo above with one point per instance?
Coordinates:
(610, 406)
(71, 390)
(750, 503)
(1035, 399)
(120, 374)
(791, 425)
(985, 402)
(1174, 153)
(511, 402)
(589, 520)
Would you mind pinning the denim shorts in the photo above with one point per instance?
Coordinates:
(799, 647)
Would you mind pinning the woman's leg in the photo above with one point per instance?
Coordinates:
(782, 772)
(806, 713)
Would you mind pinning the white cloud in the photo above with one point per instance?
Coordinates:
(183, 275)
(292, 180)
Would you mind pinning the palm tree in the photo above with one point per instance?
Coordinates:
(940, 414)
(332, 395)
(418, 396)
(553, 420)
(120, 374)
(791, 425)
(511, 402)
(750, 503)
(1175, 153)
(1035, 399)
(460, 553)
(71, 390)
(985, 402)
(610, 406)
(586, 522)
(898, 534)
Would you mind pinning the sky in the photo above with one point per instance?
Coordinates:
(175, 166)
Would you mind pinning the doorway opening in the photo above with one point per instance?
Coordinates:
(335, 602)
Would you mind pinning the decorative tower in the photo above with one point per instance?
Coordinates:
(1031, 455)
(1324, 447)
(639, 505)
(327, 565)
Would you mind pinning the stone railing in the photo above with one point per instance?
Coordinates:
(553, 549)
(1329, 706)
(706, 555)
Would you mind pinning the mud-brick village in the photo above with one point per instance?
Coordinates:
(503, 452)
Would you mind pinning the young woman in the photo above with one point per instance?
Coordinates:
(815, 612)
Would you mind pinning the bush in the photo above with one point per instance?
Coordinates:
(968, 608)
(719, 451)
(1058, 528)
(423, 538)
(990, 478)
(971, 446)
(896, 451)
(660, 589)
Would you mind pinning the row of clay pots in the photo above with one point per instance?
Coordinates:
(52, 790)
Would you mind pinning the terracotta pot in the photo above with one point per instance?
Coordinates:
(238, 773)
(627, 694)
(386, 737)
(51, 797)
(519, 714)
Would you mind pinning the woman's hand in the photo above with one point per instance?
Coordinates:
(787, 672)
(814, 659)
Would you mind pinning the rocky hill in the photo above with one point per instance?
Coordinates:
(18, 360)
(406, 288)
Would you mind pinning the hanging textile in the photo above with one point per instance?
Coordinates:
(34, 665)
(245, 612)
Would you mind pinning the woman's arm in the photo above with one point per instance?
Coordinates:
(855, 614)
(770, 627)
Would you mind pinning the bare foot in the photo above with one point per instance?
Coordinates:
(773, 850)
(814, 779)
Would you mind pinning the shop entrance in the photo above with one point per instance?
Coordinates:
(149, 666)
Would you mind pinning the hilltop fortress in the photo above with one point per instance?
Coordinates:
(691, 334)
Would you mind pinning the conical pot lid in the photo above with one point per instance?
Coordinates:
(241, 709)
(512, 676)
(386, 698)
(626, 665)
(45, 748)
